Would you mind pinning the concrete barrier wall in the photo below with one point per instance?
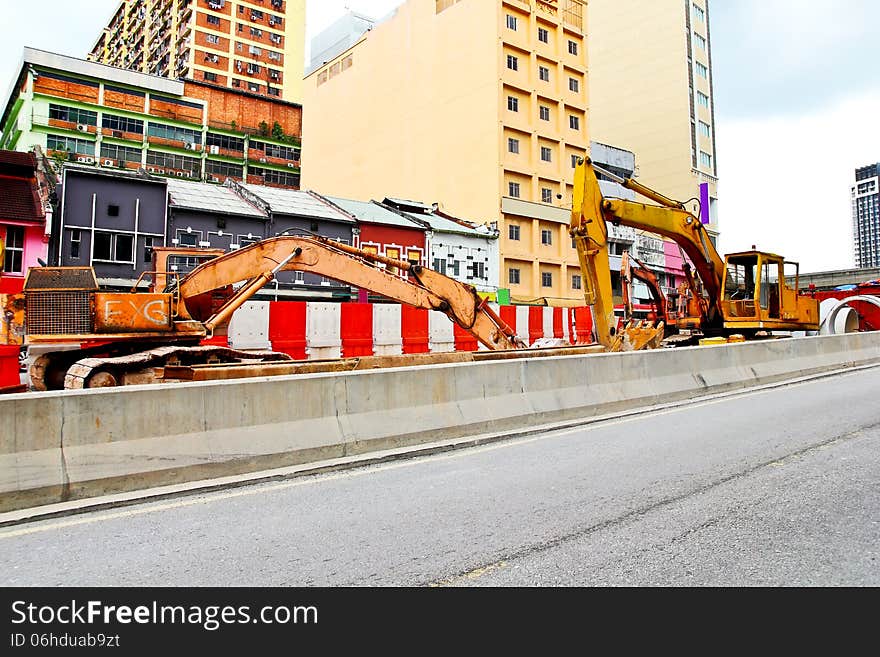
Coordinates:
(67, 445)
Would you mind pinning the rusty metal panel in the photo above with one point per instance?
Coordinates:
(132, 313)
(60, 278)
(51, 312)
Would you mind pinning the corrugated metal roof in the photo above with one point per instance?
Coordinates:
(210, 198)
(297, 203)
(372, 212)
(438, 223)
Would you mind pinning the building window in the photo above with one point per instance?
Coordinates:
(113, 247)
(148, 249)
(702, 71)
(546, 154)
(574, 84)
(476, 270)
(572, 47)
(512, 63)
(13, 257)
(513, 104)
(513, 276)
(699, 14)
(513, 232)
(439, 264)
(575, 281)
(78, 146)
(544, 73)
(702, 99)
(574, 161)
(705, 159)
(546, 195)
(513, 189)
(212, 38)
(511, 22)
(701, 40)
(705, 131)
(546, 279)
(223, 141)
(174, 133)
(75, 241)
(210, 77)
(121, 124)
(574, 122)
(213, 20)
(220, 171)
(120, 153)
(543, 35)
(112, 210)
(547, 237)
(544, 113)
(513, 145)
(73, 115)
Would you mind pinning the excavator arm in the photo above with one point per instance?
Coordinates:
(631, 268)
(258, 263)
(589, 217)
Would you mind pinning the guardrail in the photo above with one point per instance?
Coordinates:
(69, 445)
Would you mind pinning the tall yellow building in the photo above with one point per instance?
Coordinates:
(251, 45)
(651, 88)
(480, 105)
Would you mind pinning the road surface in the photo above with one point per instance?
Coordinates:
(771, 487)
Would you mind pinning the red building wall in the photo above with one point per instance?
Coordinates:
(385, 237)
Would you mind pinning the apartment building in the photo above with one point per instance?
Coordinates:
(866, 216)
(254, 45)
(651, 92)
(103, 116)
(480, 103)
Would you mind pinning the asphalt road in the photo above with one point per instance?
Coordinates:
(774, 487)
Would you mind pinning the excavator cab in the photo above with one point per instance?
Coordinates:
(760, 292)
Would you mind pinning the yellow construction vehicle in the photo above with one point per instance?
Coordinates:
(103, 339)
(751, 293)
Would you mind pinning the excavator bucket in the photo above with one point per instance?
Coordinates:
(636, 336)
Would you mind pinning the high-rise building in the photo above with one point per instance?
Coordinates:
(255, 45)
(479, 105)
(651, 92)
(866, 216)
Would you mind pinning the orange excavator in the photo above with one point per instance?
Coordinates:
(631, 268)
(94, 338)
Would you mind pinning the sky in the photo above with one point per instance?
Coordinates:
(797, 94)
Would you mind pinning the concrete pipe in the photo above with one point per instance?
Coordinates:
(838, 317)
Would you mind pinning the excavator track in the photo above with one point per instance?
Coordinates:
(141, 367)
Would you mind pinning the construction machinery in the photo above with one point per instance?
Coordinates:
(751, 293)
(94, 338)
(631, 268)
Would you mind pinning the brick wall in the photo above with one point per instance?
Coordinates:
(247, 111)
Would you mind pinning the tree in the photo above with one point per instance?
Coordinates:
(277, 131)
(59, 157)
(264, 129)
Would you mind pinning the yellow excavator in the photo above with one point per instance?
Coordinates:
(751, 293)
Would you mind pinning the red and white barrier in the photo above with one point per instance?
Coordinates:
(318, 330)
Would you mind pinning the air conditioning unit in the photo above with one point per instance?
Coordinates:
(80, 158)
(82, 127)
(117, 134)
(215, 179)
(291, 165)
(215, 150)
(189, 146)
(179, 174)
(109, 163)
(263, 160)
